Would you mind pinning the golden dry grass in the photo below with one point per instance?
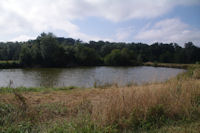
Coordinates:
(176, 98)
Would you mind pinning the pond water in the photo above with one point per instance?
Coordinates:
(84, 76)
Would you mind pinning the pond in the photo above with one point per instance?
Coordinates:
(85, 76)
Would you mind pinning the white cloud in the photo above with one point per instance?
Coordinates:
(120, 10)
(22, 17)
(123, 34)
(23, 38)
(170, 30)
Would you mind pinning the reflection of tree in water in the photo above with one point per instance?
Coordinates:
(122, 76)
(91, 76)
(119, 76)
(44, 77)
(88, 74)
(82, 77)
(106, 76)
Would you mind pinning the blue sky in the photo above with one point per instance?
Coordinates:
(145, 21)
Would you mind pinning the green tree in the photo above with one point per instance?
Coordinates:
(36, 55)
(70, 55)
(119, 57)
(25, 56)
(87, 56)
(49, 49)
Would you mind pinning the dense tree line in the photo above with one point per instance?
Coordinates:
(48, 50)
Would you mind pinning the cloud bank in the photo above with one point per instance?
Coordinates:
(169, 30)
(21, 19)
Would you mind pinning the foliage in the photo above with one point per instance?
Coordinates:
(51, 51)
(86, 56)
(25, 56)
(122, 57)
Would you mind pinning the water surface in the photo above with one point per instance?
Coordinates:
(84, 76)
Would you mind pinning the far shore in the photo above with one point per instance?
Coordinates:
(171, 65)
(15, 64)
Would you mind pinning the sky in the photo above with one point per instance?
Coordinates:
(146, 21)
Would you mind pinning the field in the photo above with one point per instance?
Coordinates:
(172, 106)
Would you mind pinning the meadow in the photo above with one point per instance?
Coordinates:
(171, 106)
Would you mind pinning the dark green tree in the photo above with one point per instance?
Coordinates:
(86, 56)
(25, 56)
(49, 49)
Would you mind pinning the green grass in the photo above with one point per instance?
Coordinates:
(9, 64)
(13, 119)
(35, 89)
(9, 61)
(193, 127)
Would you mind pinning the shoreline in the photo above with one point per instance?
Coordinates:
(17, 65)
(169, 65)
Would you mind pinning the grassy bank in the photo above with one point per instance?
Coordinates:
(4, 90)
(9, 64)
(173, 106)
(171, 65)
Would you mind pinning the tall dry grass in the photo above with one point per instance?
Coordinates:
(175, 99)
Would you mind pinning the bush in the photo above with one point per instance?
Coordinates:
(155, 117)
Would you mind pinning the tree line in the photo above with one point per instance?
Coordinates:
(47, 50)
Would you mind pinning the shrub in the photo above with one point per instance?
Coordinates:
(155, 117)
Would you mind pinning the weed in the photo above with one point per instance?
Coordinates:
(155, 117)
